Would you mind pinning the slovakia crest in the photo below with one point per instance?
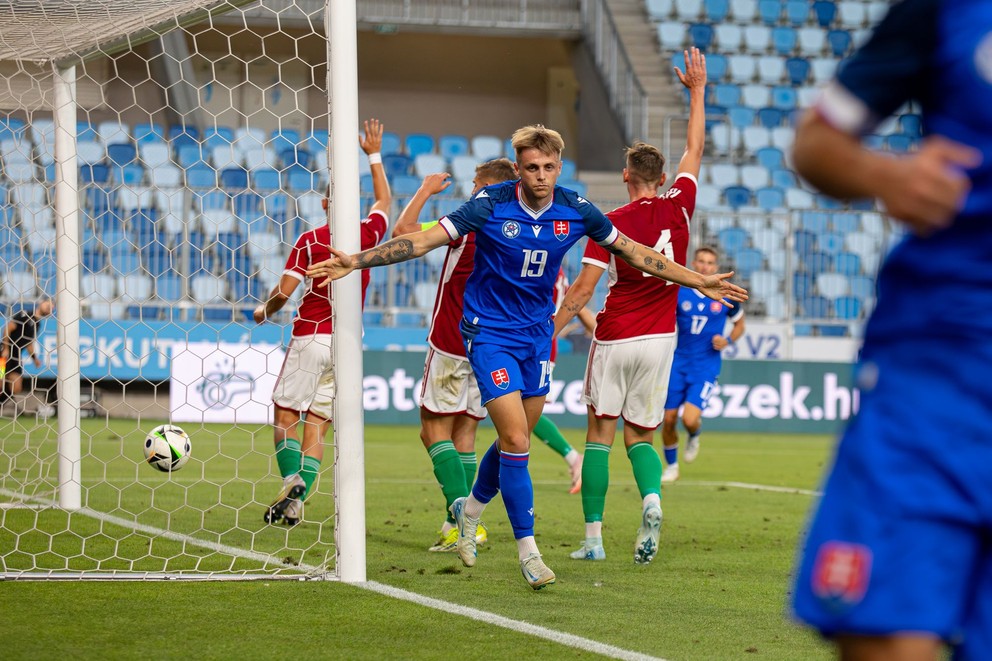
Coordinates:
(716, 306)
(561, 229)
(841, 572)
(511, 229)
(500, 378)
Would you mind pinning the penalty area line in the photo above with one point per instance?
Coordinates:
(753, 487)
(567, 639)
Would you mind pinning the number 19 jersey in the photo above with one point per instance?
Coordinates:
(519, 251)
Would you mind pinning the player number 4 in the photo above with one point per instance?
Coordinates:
(534, 263)
(664, 246)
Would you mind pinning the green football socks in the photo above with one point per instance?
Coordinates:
(449, 471)
(550, 435)
(288, 456)
(311, 467)
(646, 463)
(595, 481)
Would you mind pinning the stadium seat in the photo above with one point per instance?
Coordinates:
(844, 222)
(405, 185)
(770, 158)
(258, 157)
(755, 177)
(744, 11)
(770, 198)
(234, 178)
(488, 147)
(733, 239)
(824, 11)
(724, 137)
(862, 286)
(898, 143)
(166, 176)
(812, 41)
(747, 261)
(756, 96)
(396, 164)
(795, 198)
(726, 94)
(770, 11)
(419, 143)
(391, 143)
(852, 14)
(784, 98)
(688, 10)
(798, 70)
(784, 39)
(283, 138)
(847, 307)
(265, 179)
(876, 10)
(741, 117)
(658, 10)
(727, 37)
(218, 136)
(757, 38)
(743, 68)
(771, 69)
(815, 307)
(725, 174)
(453, 145)
(716, 11)
(832, 285)
(463, 167)
(300, 180)
(425, 164)
(716, 67)
(797, 12)
(756, 137)
(911, 124)
(848, 263)
(840, 42)
(737, 196)
(701, 36)
(767, 239)
(569, 169)
(671, 36)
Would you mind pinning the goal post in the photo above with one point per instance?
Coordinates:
(157, 162)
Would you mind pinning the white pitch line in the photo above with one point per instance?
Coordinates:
(755, 487)
(567, 639)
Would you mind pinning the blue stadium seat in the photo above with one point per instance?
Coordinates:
(453, 145)
(85, 132)
(397, 164)
(122, 153)
(831, 330)
(770, 198)
(296, 155)
(797, 12)
(132, 174)
(825, 11)
(747, 261)
(733, 239)
(318, 139)
(898, 142)
(805, 242)
(815, 307)
(815, 221)
(218, 136)
(391, 143)
(827, 202)
(769, 11)
(266, 179)
(701, 36)
(802, 284)
(839, 41)
(848, 263)
(569, 170)
(97, 173)
(148, 133)
(234, 178)
(819, 262)
(283, 139)
(210, 199)
(831, 243)
(405, 184)
(862, 286)
(737, 196)
(784, 40)
(168, 286)
(844, 222)
(770, 117)
(847, 307)
(419, 143)
(300, 180)
(798, 70)
(910, 124)
(771, 158)
(716, 11)
(247, 206)
(716, 67)
(726, 95)
(784, 98)
(12, 127)
(740, 116)
(189, 155)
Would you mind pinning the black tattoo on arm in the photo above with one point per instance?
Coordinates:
(396, 250)
(624, 248)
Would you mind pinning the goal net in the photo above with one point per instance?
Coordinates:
(157, 161)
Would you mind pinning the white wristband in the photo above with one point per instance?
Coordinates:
(375, 158)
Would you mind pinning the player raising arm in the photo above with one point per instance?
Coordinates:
(523, 230)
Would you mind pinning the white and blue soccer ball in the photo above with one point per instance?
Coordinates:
(167, 448)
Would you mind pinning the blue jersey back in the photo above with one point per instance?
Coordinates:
(938, 53)
(519, 252)
(699, 319)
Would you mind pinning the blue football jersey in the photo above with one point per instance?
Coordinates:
(519, 252)
(699, 319)
(937, 53)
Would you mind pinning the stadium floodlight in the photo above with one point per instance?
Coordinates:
(151, 155)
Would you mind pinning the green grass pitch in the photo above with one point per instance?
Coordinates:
(717, 589)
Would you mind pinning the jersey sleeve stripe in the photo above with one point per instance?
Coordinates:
(598, 263)
(611, 238)
(687, 175)
(449, 227)
(844, 111)
(298, 276)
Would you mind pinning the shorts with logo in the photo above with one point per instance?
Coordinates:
(900, 540)
(306, 381)
(629, 379)
(509, 359)
(450, 387)
(689, 383)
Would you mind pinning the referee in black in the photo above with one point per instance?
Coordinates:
(19, 335)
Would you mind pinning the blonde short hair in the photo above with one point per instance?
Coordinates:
(537, 136)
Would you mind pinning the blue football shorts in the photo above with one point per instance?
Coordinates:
(510, 359)
(902, 537)
(689, 385)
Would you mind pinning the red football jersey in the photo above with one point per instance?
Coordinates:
(637, 304)
(314, 314)
(444, 335)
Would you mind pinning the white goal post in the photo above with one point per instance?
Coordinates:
(157, 161)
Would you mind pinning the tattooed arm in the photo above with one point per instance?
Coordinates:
(654, 263)
(578, 294)
(396, 250)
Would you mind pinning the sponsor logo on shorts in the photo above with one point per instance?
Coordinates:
(561, 229)
(511, 229)
(841, 572)
(500, 378)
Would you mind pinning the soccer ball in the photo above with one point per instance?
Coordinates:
(167, 448)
